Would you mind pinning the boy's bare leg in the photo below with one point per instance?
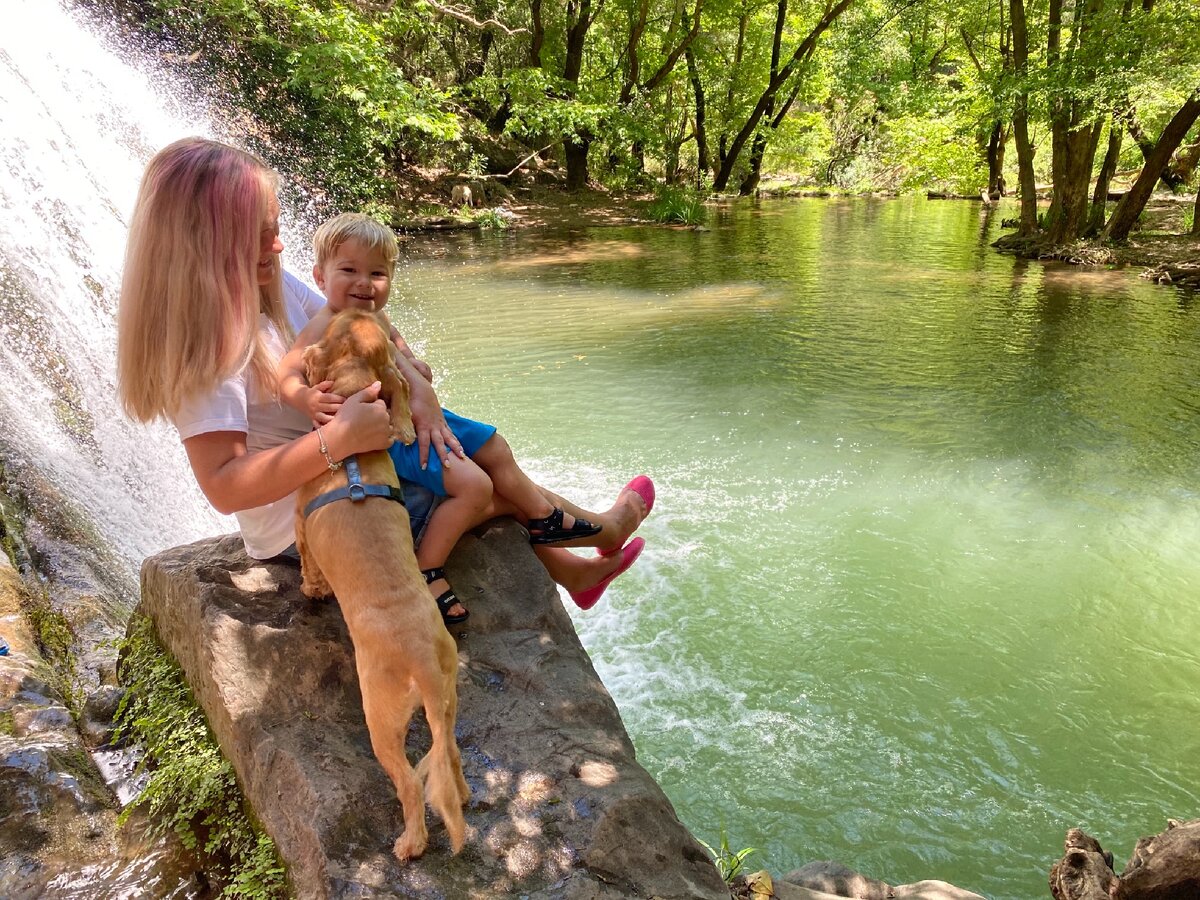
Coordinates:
(469, 495)
(616, 523)
(495, 457)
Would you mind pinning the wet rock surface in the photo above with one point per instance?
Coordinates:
(58, 831)
(559, 805)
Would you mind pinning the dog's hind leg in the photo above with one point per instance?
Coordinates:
(449, 663)
(441, 769)
(312, 579)
(387, 721)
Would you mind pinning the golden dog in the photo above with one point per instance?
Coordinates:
(362, 552)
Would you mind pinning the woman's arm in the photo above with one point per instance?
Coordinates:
(233, 479)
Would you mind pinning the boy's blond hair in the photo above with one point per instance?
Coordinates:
(372, 234)
(190, 297)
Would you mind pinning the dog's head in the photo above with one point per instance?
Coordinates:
(355, 352)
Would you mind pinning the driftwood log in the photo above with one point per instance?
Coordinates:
(1168, 274)
(1163, 867)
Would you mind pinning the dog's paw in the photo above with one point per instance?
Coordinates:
(315, 588)
(403, 431)
(410, 845)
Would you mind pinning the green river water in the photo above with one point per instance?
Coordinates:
(920, 586)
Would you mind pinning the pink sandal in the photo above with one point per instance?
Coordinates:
(629, 553)
(644, 488)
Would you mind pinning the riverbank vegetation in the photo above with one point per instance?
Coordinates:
(1089, 104)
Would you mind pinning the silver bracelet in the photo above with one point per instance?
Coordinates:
(333, 466)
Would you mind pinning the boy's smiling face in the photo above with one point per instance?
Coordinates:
(355, 277)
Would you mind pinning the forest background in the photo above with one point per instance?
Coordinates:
(1097, 100)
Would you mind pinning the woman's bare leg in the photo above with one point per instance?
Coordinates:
(576, 573)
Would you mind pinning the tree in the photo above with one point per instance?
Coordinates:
(801, 55)
(1028, 186)
(1134, 201)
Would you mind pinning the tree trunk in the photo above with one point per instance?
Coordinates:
(701, 116)
(759, 147)
(1025, 180)
(995, 160)
(1071, 187)
(1104, 179)
(632, 63)
(1169, 180)
(1075, 125)
(1134, 201)
(576, 153)
(576, 146)
(1185, 162)
(1196, 215)
(537, 35)
(739, 51)
(801, 55)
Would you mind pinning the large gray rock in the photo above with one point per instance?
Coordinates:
(1165, 866)
(559, 806)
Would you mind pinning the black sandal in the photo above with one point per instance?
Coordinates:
(549, 530)
(447, 598)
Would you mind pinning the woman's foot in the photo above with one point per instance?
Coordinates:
(586, 599)
(633, 505)
(452, 610)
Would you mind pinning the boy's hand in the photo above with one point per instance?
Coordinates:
(321, 405)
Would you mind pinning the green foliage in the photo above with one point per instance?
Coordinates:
(192, 790)
(323, 75)
(729, 862)
(676, 205)
(545, 107)
(933, 155)
(56, 640)
(895, 96)
(490, 219)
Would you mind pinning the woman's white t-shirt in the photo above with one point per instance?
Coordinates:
(270, 529)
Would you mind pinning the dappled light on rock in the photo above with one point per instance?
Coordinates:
(559, 805)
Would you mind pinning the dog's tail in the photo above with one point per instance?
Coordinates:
(442, 779)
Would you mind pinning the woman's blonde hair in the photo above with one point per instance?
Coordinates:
(372, 234)
(190, 297)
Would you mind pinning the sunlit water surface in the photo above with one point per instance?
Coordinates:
(919, 592)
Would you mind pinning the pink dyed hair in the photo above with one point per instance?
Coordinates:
(190, 297)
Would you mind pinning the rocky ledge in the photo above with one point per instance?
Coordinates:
(560, 807)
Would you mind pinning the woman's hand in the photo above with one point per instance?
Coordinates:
(362, 424)
(432, 431)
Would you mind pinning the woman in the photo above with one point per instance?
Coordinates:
(206, 314)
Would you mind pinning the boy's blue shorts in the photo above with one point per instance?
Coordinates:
(406, 457)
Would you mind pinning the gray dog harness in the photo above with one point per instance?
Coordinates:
(355, 491)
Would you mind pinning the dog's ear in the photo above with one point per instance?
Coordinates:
(315, 364)
(394, 390)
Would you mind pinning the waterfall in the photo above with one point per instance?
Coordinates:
(77, 124)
